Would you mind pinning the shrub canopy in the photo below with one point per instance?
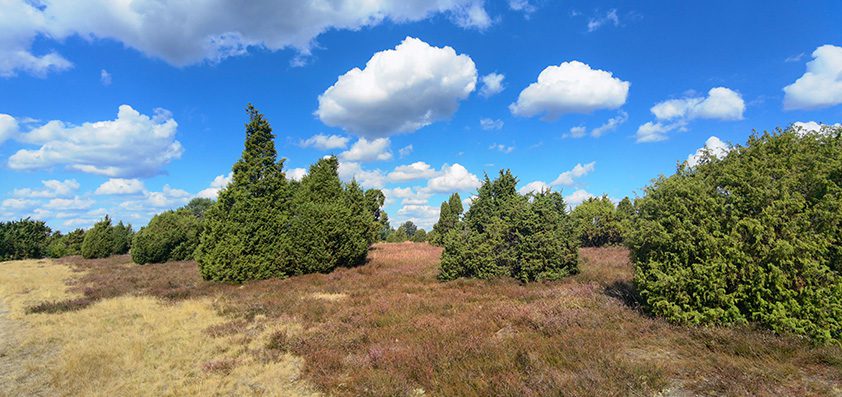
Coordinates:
(23, 239)
(753, 237)
(264, 226)
(61, 245)
(99, 241)
(505, 233)
(598, 222)
(169, 236)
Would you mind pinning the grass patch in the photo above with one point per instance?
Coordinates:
(139, 345)
(389, 328)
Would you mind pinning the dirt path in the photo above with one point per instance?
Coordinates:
(17, 379)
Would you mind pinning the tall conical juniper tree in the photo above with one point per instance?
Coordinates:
(449, 217)
(264, 225)
(506, 234)
(241, 239)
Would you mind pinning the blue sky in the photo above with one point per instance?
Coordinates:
(131, 109)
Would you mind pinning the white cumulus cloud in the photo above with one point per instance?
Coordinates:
(120, 186)
(567, 178)
(409, 172)
(132, 145)
(721, 103)
(534, 187)
(75, 203)
(577, 197)
(453, 178)
(364, 150)
(184, 33)
(217, 184)
(713, 147)
(492, 84)
(296, 174)
(399, 90)
(805, 127)
(821, 84)
(52, 188)
(326, 142)
(572, 87)
(8, 127)
(369, 179)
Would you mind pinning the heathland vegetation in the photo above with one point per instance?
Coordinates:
(264, 225)
(749, 239)
(507, 234)
(753, 237)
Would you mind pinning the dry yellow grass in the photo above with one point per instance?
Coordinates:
(330, 297)
(131, 345)
(29, 282)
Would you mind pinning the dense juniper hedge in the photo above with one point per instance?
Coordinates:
(264, 225)
(105, 239)
(23, 239)
(504, 233)
(753, 237)
(62, 245)
(169, 236)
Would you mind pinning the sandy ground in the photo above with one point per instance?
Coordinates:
(17, 380)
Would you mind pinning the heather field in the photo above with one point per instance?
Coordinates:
(387, 327)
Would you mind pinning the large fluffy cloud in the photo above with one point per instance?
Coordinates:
(453, 178)
(721, 103)
(183, 33)
(20, 23)
(572, 87)
(132, 145)
(821, 85)
(399, 90)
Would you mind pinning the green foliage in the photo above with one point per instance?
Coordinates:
(754, 237)
(100, 241)
(123, 235)
(598, 222)
(397, 236)
(264, 226)
(169, 236)
(65, 245)
(198, 206)
(420, 236)
(505, 233)
(450, 215)
(409, 229)
(23, 239)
